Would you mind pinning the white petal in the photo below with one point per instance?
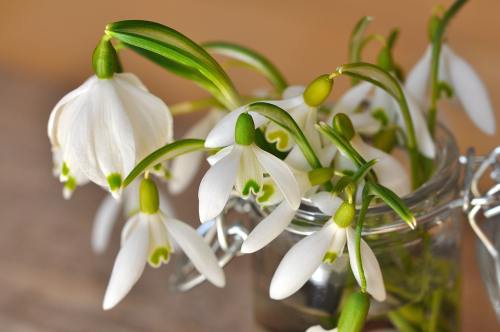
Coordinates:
(296, 159)
(326, 202)
(217, 184)
(299, 263)
(365, 123)
(471, 91)
(424, 139)
(250, 171)
(104, 220)
(223, 132)
(390, 172)
(293, 91)
(417, 82)
(269, 228)
(374, 279)
(128, 267)
(197, 250)
(166, 205)
(281, 174)
(351, 100)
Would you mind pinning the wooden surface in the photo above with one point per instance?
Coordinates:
(49, 279)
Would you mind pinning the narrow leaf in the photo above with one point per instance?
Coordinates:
(393, 201)
(164, 153)
(251, 59)
(357, 39)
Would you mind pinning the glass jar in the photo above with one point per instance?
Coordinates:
(420, 267)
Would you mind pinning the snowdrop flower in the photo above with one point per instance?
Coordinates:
(147, 237)
(318, 328)
(379, 100)
(108, 213)
(184, 168)
(462, 78)
(282, 214)
(325, 245)
(108, 124)
(243, 166)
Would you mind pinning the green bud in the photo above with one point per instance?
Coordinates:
(433, 25)
(148, 197)
(354, 312)
(343, 125)
(345, 215)
(114, 181)
(244, 133)
(105, 60)
(320, 175)
(318, 90)
(385, 139)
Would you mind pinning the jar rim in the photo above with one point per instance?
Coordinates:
(444, 178)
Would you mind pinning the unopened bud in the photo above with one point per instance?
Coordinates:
(343, 125)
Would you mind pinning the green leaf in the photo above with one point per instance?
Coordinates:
(179, 49)
(251, 59)
(357, 39)
(394, 202)
(284, 120)
(361, 172)
(164, 153)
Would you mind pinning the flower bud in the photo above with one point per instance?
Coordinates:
(344, 215)
(318, 90)
(244, 133)
(320, 175)
(105, 60)
(354, 312)
(148, 197)
(343, 125)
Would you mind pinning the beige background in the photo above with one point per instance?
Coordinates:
(49, 279)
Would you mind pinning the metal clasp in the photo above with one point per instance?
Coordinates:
(476, 201)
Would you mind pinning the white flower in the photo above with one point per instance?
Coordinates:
(380, 100)
(242, 165)
(104, 127)
(184, 168)
(461, 77)
(307, 255)
(147, 237)
(109, 210)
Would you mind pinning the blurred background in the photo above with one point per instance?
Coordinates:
(49, 278)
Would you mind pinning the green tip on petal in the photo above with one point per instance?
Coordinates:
(318, 90)
(354, 312)
(105, 60)
(64, 169)
(343, 125)
(330, 257)
(345, 215)
(114, 182)
(320, 175)
(244, 133)
(159, 256)
(148, 197)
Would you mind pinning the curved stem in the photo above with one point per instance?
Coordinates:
(436, 51)
(359, 228)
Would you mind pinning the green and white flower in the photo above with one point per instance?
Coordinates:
(377, 100)
(242, 165)
(465, 83)
(104, 127)
(148, 238)
(108, 213)
(325, 245)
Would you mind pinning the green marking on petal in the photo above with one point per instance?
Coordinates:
(280, 137)
(250, 185)
(329, 257)
(114, 181)
(160, 255)
(64, 169)
(380, 115)
(267, 191)
(70, 184)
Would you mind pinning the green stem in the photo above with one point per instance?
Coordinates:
(436, 300)
(436, 51)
